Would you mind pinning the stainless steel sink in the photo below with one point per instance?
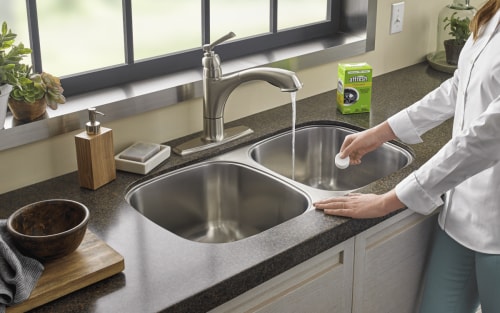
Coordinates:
(217, 201)
(246, 191)
(314, 165)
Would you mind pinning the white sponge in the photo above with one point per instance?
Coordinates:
(140, 151)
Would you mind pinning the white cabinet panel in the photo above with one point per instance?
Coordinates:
(320, 284)
(390, 262)
(380, 270)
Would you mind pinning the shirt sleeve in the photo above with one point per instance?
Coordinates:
(409, 125)
(433, 109)
(469, 152)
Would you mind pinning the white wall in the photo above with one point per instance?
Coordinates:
(42, 160)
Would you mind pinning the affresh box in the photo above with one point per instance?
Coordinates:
(354, 90)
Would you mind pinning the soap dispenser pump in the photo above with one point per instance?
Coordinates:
(95, 153)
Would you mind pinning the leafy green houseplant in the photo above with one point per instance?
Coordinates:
(10, 57)
(458, 29)
(11, 68)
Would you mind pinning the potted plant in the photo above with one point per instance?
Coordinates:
(33, 93)
(10, 66)
(459, 31)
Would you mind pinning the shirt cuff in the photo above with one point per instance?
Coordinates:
(411, 193)
(403, 128)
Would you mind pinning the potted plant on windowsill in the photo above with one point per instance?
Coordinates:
(10, 65)
(34, 92)
(459, 31)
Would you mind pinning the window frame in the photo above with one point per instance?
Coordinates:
(356, 35)
(134, 70)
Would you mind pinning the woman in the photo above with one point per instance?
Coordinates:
(465, 261)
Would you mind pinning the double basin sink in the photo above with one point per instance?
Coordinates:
(246, 191)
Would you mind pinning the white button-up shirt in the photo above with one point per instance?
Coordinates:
(467, 168)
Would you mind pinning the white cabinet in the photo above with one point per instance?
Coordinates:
(320, 284)
(389, 264)
(379, 270)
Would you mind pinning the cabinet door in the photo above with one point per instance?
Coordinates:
(320, 284)
(389, 264)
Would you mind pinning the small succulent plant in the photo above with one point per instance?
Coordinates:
(33, 87)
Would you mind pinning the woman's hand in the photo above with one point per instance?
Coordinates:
(357, 145)
(358, 205)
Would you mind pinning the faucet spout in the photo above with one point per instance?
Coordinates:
(287, 81)
(216, 90)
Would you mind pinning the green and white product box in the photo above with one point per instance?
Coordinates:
(354, 90)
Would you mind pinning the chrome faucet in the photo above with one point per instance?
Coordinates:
(216, 91)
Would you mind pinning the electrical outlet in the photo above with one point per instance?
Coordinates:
(397, 14)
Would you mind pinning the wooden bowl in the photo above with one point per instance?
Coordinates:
(48, 229)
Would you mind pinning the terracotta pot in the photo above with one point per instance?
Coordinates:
(26, 112)
(452, 51)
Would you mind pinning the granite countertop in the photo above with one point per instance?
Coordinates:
(166, 273)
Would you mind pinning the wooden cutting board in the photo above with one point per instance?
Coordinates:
(93, 261)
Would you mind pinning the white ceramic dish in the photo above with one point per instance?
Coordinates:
(142, 167)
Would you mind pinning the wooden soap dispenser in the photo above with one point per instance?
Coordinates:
(95, 154)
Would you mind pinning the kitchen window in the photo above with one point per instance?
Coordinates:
(101, 43)
(150, 51)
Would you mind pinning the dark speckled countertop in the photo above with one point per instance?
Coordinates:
(166, 273)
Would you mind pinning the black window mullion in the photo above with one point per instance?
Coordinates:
(273, 23)
(128, 31)
(34, 34)
(205, 22)
(329, 10)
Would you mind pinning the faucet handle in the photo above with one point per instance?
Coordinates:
(209, 47)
